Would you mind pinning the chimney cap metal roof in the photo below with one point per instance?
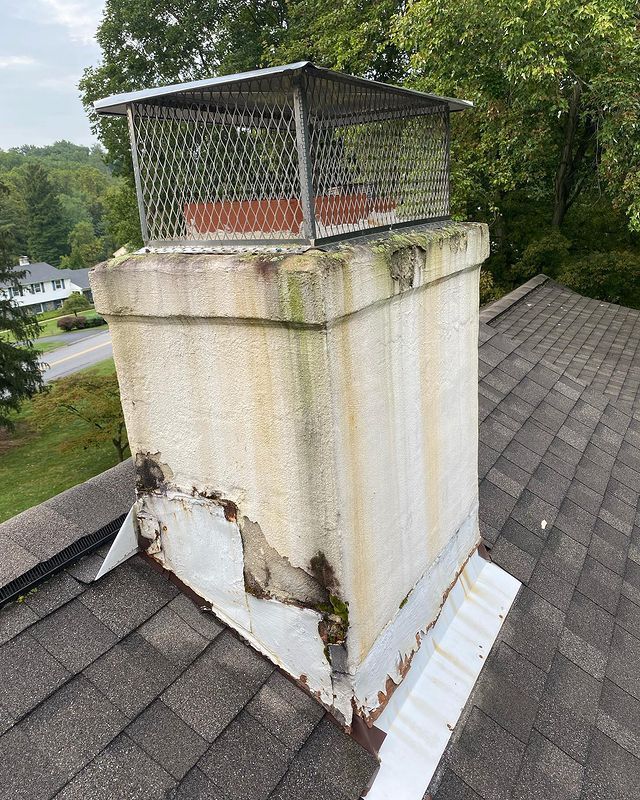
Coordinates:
(117, 104)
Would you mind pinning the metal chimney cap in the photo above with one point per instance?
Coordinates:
(117, 104)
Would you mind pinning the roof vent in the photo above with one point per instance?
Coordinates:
(294, 154)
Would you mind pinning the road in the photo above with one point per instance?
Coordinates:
(79, 355)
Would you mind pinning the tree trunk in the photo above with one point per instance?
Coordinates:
(566, 168)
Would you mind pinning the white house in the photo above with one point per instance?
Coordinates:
(43, 287)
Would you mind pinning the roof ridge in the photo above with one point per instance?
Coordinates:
(494, 310)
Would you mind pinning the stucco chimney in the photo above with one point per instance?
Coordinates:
(302, 412)
(305, 434)
(24, 261)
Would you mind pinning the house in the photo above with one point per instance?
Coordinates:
(123, 687)
(44, 288)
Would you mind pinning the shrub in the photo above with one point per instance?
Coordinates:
(93, 322)
(66, 323)
(614, 277)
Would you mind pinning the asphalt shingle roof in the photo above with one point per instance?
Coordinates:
(124, 688)
(556, 710)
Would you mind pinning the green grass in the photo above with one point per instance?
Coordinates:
(47, 347)
(32, 467)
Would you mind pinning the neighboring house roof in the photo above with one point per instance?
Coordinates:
(41, 271)
(124, 688)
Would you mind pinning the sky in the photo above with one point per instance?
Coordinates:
(44, 47)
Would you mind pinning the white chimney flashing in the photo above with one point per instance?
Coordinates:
(305, 432)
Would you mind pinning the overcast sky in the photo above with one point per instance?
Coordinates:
(44, 46)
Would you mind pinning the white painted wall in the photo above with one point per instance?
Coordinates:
(334, 404)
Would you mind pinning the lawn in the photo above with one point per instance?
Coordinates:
(32, 468)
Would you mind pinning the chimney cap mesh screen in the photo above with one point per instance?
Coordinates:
(302, 155)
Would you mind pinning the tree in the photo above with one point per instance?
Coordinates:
(86, 249)
(95, 401)
(74, 303)
(20, 375)
(555, 85)
(46, 232)
(351, 36)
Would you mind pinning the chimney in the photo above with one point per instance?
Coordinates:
(24, 261)
(301, 398)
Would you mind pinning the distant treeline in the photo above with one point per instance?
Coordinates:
(58, 204)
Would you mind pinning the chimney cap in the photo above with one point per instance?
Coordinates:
(117, 104)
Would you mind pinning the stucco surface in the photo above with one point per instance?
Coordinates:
(331, 397)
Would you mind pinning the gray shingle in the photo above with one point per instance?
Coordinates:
(348, 773)
(14, 618)
(127, 597)
(14, 559)
(57, 591)
(451, 787)
(285, 710)
(623, 661)
(122, 771)
(612, 772)
(619, 717)
(132, 674)
(600, 584)
(551, 587)
(533, 628)
(568, 708)
(547, 773)
(29, 674)
(72, 726)
(203, 622)
(195, 786)
(167, 739)
(73, 635)
(587, 634)
(173, 637)
(245, 760)
(486, 757)
(27, 774)
(219, 683)
(575, 521)
(563, 556)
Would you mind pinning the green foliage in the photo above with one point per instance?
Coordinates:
(20, 376)
(351, 36)
(546, 254)
(92, 399)
(612, 276)
(74, 303)
(46, 235)
(86, 249)
(487, 291)
(122, 219)
(78, 181)
(31, 466)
